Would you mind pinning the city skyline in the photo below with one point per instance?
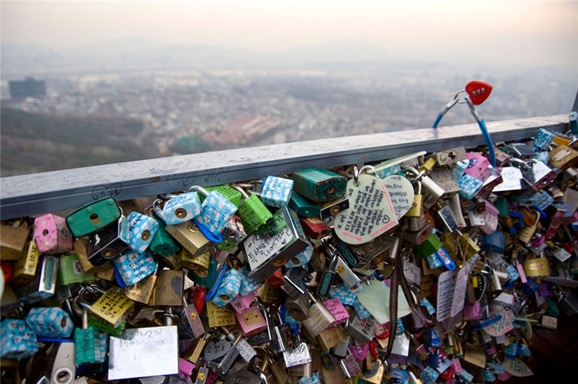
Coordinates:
(536, 33)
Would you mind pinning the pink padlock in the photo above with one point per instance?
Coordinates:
(503, 376)
(52, 234)
(478, 167)
(457, 365)
(186, 368)
(490, 222)
(241, 304)
(337, 310)
(251, 321)
(472, 310)
(359, 351)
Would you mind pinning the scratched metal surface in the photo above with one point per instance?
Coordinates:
(39, 193)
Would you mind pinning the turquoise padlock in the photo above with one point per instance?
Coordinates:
(142, 231)
(50, 322)
(216, 210)
(276, 191)
(228, 289)
(17, 340)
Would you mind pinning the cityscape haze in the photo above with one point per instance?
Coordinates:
(134, 80)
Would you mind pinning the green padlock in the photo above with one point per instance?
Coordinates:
(253, 213)
(71, 271)
(319, 185)
(428, 247)
(302, 206)
(230, 193)
(207, 279)
(93, 217)
(163, 244)
(103, 326)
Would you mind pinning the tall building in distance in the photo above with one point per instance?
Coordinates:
(21, 89)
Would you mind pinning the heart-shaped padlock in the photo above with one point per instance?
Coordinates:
(478, 91)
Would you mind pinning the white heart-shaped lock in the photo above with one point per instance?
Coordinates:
(400, 192)
(370, 211)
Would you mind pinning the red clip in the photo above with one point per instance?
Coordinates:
(6, 270)
(373, 349)
(276, 280)
(198, 294)
(478, 91)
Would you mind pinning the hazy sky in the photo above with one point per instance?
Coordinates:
(514, 31)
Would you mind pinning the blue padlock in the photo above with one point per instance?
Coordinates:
(134, 266)
(17, 340)
(50, 322)
(276, 191)
(494, 242)
(216, 210)
(179, 208)
(469, 186)
(228, 289)
(142, 230)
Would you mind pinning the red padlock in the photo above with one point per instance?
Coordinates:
(276, 280)
(197, 296)
(478, 91)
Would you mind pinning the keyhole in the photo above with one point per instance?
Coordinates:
(63, 377)
(335, 210)
(45, 232)
(108, 253)
(180, 213)
(224, 297)
(279, 262)
(295, 260)
(452, 155)
(146, 235)
(330, 190)
(94, 217)
(192, 228)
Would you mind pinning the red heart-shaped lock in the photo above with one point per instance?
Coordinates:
(478, 91)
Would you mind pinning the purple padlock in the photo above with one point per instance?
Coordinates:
(478, 167)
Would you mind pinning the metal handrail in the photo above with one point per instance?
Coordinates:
(34, 194)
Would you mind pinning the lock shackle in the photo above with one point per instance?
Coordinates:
(244, 193)
(418, 174)
(262, 353)
(357, 172)
(81, 301)
(524, 164)
(197, 188)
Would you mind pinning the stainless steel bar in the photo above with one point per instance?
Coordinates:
(39, 193)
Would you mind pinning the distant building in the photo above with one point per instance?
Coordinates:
(243, 130)
(29, 87)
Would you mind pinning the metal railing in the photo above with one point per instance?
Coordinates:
(39, 193)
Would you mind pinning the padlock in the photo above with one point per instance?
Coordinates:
(52, 235)
(233, 234)
(25, 267)
(303, 207)
(266, 253)
(109, 243)
(163, 244)
(444, 179)
(543, 139)
(50, 322)
(432, 192)
(319, 185)
(428, 247)
(336, 308)
(556, 215)
(537, 174)
(253, 213)
(478, 166)
(493, 242)
(318, 318)
(44, 284)
(13, 238)
(142, 231)
(350, 366)
(169, 288)
(563, 157)
(89, 343)
(331, 208)
(249, 377)
(71, 271)
(331, 337)
(521, 150)
(449, 156)
(298, 307)
(362, 330)
(276, 191)
(525, 234)
(469, 186)
(199, 264)
(112, 306)
(536, 266)
(178, 208)
(328, 275)
(216, 210)
(134, 266)
(297, 355)
(228, 289)
(16, 339)
(190, 237)
(93, 217)
(491, 183)
(142, 291)
(416, 209)
(315, 228)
